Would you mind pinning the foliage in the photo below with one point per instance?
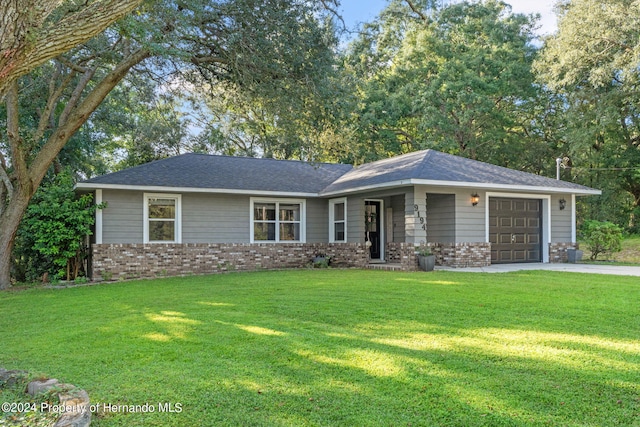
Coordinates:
(266, 50)
(342, 347)
(592, 64)
(424, 251)
(53, 231)
(457, 79)
(601, 237)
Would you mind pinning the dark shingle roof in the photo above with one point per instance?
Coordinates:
(247, 174)
(430, 165)
(229, 173)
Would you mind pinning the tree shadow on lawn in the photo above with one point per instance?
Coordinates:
(460, 378)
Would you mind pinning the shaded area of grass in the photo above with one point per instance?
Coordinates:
(337, 347)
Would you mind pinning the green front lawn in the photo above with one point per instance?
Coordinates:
(341, 348)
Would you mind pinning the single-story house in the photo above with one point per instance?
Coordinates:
(197, 213)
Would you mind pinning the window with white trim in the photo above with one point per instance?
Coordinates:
(277, 220)
(338, 220)
(162, 218)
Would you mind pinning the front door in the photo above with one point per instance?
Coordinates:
(515, 230)
(372, 227)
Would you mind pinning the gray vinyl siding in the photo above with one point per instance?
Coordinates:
(470, 220)
(122, 218)
(355, 219)
(441, 226)
(317, 220)
(215, 218)
(206, 218)
(561, 226)
(398, 206)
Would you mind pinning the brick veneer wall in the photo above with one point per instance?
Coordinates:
(459, 255)
(113, 261)
(447, 254)
(558, 251)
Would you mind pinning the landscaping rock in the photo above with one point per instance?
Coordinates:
(80, 414)
(36, 387)
(74, 407)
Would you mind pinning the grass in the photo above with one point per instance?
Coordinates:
(340, 347)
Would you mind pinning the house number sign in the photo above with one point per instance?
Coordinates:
(423, 223)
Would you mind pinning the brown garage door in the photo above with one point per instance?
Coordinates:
(515, 230)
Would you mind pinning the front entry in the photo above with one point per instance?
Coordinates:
(372, 212)
(515, 230)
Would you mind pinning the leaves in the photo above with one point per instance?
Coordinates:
(459, 82)
(57, 222)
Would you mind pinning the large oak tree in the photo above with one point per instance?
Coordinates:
(593, 62)
(248, 44)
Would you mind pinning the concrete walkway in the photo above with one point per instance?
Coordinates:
(573, 268)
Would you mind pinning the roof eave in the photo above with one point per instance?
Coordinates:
(162, 189)
(462, 184)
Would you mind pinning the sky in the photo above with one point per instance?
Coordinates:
(358, 11)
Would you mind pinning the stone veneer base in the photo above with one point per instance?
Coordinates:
(457, 255)
(130, 261)
(558, 251)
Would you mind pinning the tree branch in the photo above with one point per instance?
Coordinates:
(79, 115)
(23, 47)
(13, 135)
(46, 117)
(75, 96)
(417, 11)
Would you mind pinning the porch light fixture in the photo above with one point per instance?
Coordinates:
(475, 199)
(563, 204)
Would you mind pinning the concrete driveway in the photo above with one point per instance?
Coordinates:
(573, 268)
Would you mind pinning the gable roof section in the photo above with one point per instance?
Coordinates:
(258, 176)
(194, 172)
(432, 167)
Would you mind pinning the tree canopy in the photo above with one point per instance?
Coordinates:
(266, 49)
(592, 63)
(457, 79)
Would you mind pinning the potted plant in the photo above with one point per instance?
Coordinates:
(426, 260)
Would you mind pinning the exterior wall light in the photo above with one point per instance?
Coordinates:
(563, 204)
(475, 199)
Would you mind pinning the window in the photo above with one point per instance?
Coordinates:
(338, 220)
(162, 218)
(277, 220)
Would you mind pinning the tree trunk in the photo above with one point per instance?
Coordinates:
(9, 222)
(28, 38)
(29, 176)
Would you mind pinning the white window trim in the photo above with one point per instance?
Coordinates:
(332, 222)
(98, 217)
(277, 201)
(178, 219)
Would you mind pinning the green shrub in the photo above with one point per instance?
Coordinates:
(601, 237)
(52, 232)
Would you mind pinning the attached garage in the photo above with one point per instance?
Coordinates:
(515, 230)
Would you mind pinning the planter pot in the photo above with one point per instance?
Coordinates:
(427, 262)
(574, 255)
